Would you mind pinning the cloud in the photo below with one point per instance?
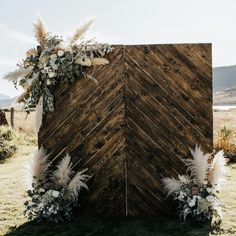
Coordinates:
(16, 35)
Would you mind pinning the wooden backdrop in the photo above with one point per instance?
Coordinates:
(151, 104)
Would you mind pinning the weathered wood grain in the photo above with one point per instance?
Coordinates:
(151, 104)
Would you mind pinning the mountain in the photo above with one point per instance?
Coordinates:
(4, 97)
(6, 103)
(224, 85)
(224, 78)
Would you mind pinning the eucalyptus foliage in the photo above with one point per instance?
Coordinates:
(54, 61)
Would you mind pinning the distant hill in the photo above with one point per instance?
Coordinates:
(4, 97)
(224, 78)
(6, 103)
(224, 85)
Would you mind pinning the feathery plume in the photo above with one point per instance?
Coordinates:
(39, 114)
(14, 75)
(81, 31)
(61, 175)
(38, 166)
(40, 32)
(171, 185)
(198, 166)
(99, 61)
(77, 183)
(32, 52)
(217, 169)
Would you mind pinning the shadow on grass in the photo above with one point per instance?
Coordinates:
(114, 226)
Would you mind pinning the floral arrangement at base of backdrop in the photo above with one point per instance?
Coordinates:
(53, 61)
(52, 194)
(195, 195)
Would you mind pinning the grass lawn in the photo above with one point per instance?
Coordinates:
(12, 222)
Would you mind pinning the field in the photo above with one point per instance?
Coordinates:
(23, 122)
(12, 195)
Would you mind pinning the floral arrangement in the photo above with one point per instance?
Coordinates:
(195, 195)
(53, 61)
(52, 194)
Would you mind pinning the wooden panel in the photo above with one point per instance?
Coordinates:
(152, 103)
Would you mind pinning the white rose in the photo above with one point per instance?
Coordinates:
(60, 53)
(53, 56)
(191, 203)
(49, 82)
(55, 193)
(51, 74)
(204, 182)
(41, 190)
(210, 198)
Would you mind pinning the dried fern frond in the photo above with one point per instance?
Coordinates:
(217, 169)
(38, 166)
(32, 52)
(14, 75)
(99, 61)
(81, 31)
(77, 183)
(198, 166)
(40, 32)
(62, 174)
(39, 115)
(171, 185)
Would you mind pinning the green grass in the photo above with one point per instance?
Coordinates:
(12, 221)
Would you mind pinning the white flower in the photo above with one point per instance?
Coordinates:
(60, 53)
(191, 203)
(53, 56)
(49, 82)
(210, 198)
(55, 193)
(51, 74)
(41, 190)
(204, 182)
(209, 190)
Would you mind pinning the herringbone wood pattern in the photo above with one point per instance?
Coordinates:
(151, 104)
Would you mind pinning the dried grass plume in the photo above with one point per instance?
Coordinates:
(62, 174)
(171, 185)
(40, 32)
(198, 166)
(81, 31)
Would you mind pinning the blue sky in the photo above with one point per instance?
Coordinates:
(119, 22)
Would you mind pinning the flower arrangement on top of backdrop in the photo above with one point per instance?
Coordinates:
(52, 194)
(53, 61)
(195, 195)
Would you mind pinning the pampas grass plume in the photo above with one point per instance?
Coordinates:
(171, 185)
(61, 175)
(40, 32)
(81, 31)
(77, 183)
(198, 166)
(14, 75)
(217, 169)
(38, 166)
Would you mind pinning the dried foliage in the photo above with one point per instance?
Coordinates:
(53, 193)
(50, 63)
(196, 195)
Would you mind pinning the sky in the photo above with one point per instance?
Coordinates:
(118, 22)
